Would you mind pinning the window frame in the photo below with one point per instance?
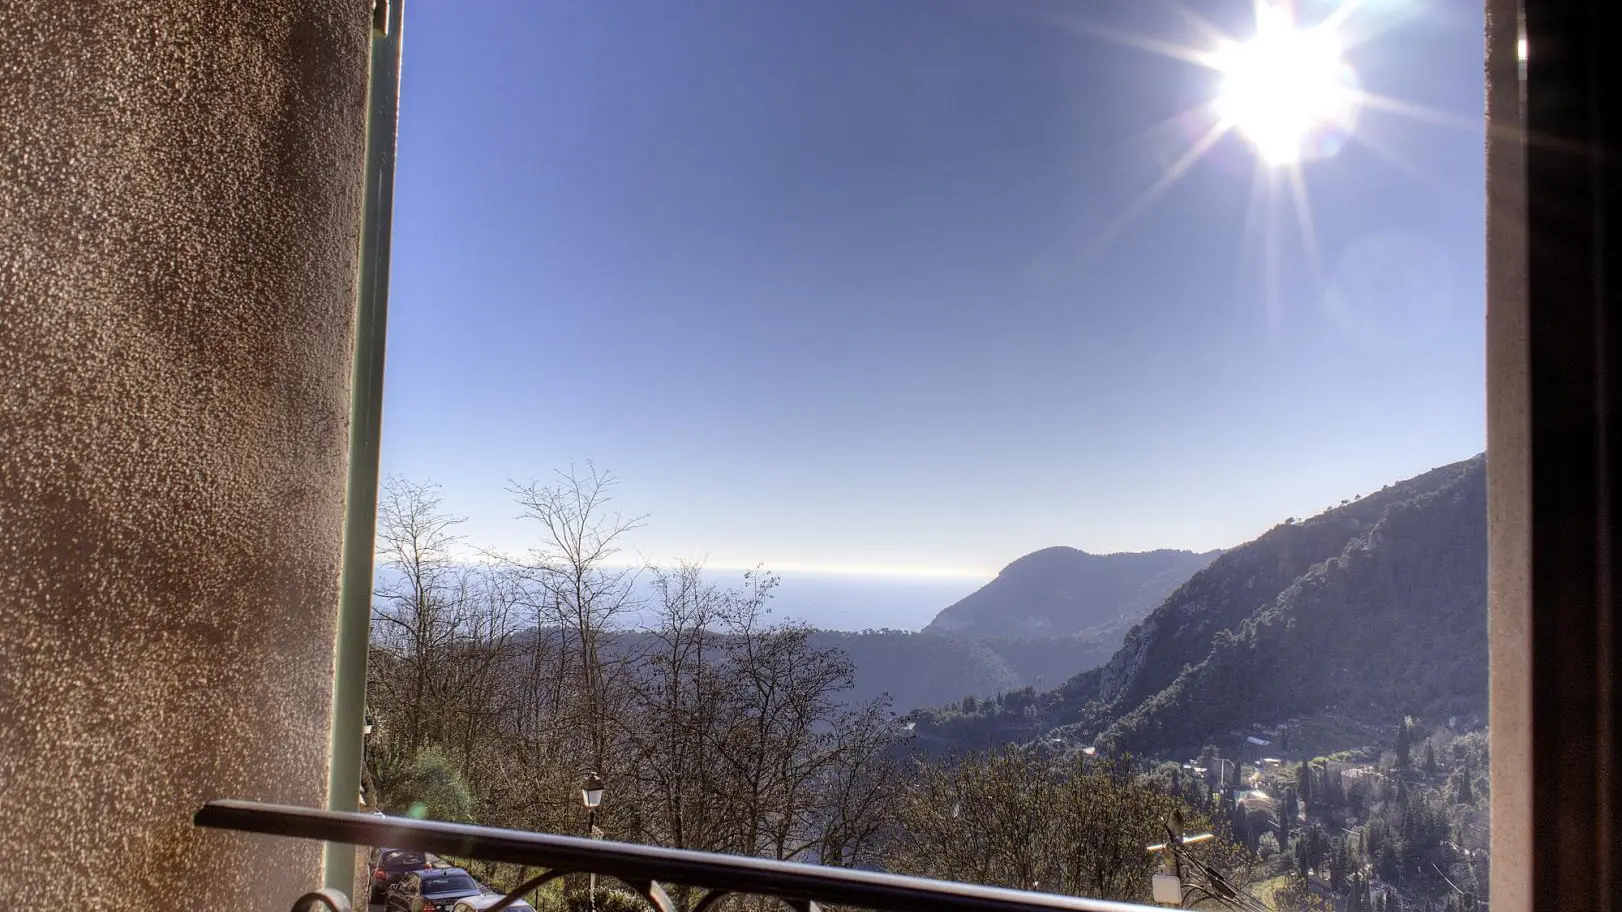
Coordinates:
(1554, 632)
(1552, 509)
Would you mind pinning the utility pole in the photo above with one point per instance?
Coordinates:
(1169, 888)
(1168, 884)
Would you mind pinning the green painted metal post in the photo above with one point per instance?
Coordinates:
(365, 435)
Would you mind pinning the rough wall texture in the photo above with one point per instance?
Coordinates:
(1509, 477)
(180, 203)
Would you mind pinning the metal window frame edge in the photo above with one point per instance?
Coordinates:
(346, 740)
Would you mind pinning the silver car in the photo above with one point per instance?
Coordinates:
(486, 900)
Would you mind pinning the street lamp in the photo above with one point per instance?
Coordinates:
(591, 792)
(365, 739)
(591, 795)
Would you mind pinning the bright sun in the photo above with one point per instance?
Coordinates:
(1288, 90)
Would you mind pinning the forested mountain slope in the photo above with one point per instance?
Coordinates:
(1371, 610)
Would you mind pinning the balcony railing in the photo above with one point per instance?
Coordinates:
(801, 887)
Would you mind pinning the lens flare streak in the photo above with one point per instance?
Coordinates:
(1167, 178)
(1289, 92)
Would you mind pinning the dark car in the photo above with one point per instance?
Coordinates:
(389, 865)
(432, 891)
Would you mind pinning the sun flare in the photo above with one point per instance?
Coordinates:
(1288, 90)
(1290, 94)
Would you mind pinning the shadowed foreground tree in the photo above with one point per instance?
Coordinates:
(1011, 819)
(446, 636)
(734, 738)
(427, 784)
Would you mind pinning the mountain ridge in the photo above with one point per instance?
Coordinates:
(1061, 591)
(1190, 617)
(1376, 649)
(1393, 583)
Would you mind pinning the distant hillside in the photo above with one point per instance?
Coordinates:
(1368, 611)
(1061, 591)
(914, 670)
(925, 669)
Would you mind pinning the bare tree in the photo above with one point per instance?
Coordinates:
(1021, 820)
(445, 634)
(677, 711)
(858, 793)
(717, 728)
(419, 607)
(741, 741)
(574, 581)
(476, 680)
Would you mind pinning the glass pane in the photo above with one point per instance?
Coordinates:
(981, 440)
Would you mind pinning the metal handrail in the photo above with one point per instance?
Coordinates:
(798, 884)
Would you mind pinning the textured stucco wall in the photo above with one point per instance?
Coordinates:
(180, 192)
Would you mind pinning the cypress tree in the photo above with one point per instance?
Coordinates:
(1389, 866)
(1286, 818)
(1403, 738)
(1334, 791)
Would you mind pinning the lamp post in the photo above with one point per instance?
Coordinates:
(591, 795)
(365, 777)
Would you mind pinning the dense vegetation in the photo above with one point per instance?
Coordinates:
(1358, 634)
(1024, 819)
(496, 686)
(915, 670)
(504, 678)
(1396, 623)
(1369, 610)
(1410, 830)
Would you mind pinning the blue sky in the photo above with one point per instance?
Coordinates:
(846, 283)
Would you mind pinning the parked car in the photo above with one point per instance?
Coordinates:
(486, 900)
(387, 866)
(436, 890)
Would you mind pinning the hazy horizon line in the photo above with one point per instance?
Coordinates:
(476, 556)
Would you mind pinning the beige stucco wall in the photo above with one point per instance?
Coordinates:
(179, 213)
